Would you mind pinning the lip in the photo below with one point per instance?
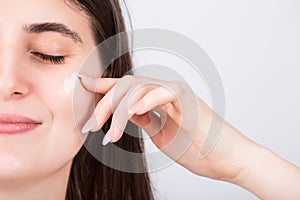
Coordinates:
(13, 123)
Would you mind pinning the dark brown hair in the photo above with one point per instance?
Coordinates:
(89, 178)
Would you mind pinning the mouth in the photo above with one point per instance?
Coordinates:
(12, 123)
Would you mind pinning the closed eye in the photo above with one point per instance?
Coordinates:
(50, 59)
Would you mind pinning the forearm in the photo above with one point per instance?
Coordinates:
(241, 161)
(236, 159)
(268, 176)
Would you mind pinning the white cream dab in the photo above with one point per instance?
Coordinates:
(69, 82)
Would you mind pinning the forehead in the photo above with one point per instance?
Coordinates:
(14, 14)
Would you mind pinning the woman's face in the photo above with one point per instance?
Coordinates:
(32, 84)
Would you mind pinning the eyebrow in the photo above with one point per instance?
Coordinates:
(53, 27)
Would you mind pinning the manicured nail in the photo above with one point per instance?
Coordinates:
(135, 108)
(108, 136)
(89, 81)
(84, 76)
(89, 124)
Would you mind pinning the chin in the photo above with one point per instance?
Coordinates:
(12, 168)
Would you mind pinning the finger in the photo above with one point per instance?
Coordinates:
(161, 133)
(157, 122)
(118, 124)
(171, 139)
(141, 120)
(103, 110)
(121, 115)
(139, 91)
(101, 113)
(97, 85)
(107, 105)
(157, 97)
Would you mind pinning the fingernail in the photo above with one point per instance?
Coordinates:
(89, 124)
(89, 81)
(108, 136)
(135, 108)
(83, 76)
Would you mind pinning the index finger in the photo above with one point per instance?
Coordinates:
(97, 85)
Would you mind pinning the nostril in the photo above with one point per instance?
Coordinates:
(13, 87)
(17, 93)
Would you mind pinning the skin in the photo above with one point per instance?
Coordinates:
(235, 158)
(36, 164)
(40, 95)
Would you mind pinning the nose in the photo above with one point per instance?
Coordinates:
(12, 84)
(14, 80)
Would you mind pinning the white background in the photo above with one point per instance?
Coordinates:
(255, 46)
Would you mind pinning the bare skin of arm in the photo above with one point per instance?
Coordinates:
(235, 158)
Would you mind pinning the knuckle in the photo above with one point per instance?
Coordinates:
(178, 87)
(127, 78)
(146, 102)
(185, 86)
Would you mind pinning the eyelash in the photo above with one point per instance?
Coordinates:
(52, 59)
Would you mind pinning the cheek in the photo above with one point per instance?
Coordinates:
(59, 138)
(69, 112)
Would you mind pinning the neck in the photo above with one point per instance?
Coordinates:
(51, 187)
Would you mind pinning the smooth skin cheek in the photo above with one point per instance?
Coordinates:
(54, 144)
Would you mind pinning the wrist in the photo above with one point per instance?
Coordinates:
(230, 155)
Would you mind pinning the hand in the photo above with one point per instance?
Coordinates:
(179, 131)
